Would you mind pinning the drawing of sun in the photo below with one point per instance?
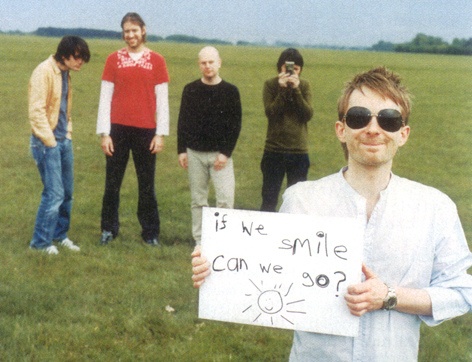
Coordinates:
(271, 303)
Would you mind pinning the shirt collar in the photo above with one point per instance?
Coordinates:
(391, 184)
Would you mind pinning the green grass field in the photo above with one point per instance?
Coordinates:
(109, 303)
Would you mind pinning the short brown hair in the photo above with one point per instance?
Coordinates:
(381, 81)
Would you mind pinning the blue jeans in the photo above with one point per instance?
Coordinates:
(274, 166)
(56, 168)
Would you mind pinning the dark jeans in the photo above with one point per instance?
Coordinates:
(274, 166)
(136, 140)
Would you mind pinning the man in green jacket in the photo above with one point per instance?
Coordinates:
(287, 104)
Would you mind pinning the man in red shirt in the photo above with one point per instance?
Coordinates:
(133, 116)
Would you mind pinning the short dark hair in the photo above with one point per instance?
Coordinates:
(72, 45)
(134, 18)
(291, 55)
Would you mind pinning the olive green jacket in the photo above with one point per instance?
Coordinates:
(288, 111)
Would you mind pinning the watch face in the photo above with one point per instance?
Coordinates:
(390, 301)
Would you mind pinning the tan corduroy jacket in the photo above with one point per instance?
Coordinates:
(44, 97)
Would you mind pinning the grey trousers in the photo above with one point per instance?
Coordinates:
(200, 171)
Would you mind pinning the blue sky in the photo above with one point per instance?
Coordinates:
(331, 22)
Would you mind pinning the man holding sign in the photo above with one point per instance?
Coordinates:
(415, 253)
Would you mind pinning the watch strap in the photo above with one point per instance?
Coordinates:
(390, 300)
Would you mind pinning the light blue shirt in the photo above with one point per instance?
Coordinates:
(413, 239)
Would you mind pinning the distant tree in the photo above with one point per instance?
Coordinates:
(423, 40)
(154, 38)
(12, 32)
(243, 43)
(83, 32)
(423, 43)
(284, 44)
(461, 46)
(179, 38)
(383, 46)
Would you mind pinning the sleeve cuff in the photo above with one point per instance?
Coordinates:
(446, 304)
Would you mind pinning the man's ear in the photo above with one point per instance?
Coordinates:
(340, 128)
(404, 134)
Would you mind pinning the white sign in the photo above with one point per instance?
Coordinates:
(280, 270)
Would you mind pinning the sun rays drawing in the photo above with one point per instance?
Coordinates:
(271, 302)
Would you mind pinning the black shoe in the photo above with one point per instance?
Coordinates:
(153, 242)
(106, 237)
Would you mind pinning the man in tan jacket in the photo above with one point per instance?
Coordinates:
(49, 101)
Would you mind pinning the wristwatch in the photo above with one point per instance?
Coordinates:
(390, 301)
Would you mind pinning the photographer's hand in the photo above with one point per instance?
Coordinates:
(293, 81)
(283, 79)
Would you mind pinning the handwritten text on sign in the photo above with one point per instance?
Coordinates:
(280, 270)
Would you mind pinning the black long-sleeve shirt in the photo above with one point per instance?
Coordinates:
(209, 118)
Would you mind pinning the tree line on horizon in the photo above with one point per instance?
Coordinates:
(421, 43)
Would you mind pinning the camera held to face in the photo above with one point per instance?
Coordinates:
(289, 67)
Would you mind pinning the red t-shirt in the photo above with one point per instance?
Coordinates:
(134, 97)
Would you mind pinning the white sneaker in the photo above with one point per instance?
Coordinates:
(51, 250)
(69, 244)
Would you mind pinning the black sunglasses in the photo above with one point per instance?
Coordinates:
(389, 120)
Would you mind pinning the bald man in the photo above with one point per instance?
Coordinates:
(208, 129)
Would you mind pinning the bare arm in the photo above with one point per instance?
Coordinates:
(414, 301)
(369, 295)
